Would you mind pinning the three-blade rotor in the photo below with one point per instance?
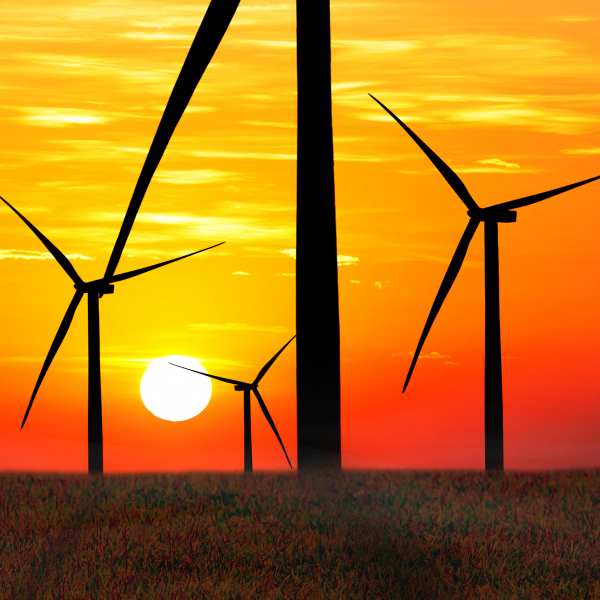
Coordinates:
(216, 20)
(501, 213)
(253, 387)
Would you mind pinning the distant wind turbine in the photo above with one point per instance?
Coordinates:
(241, 386)
(491, 216)
(216, 20)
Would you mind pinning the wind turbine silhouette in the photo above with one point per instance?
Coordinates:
(94, 290)
(210, 33)
(241, 386)
(491, 216)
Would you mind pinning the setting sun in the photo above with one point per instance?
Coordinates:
(175, 394)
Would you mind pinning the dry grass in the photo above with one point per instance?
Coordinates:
(363, 535)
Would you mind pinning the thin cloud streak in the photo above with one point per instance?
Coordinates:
(238, 327)
(35, 255)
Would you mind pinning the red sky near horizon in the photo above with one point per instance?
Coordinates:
(505, 93)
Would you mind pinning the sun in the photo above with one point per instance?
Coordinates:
(175, 394)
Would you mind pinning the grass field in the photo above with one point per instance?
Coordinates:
(352, 535)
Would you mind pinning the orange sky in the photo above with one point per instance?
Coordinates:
(506, 93)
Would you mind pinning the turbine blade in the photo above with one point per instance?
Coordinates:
(447, 173)
(62, 260)
(58, 339)
(268, 365)
(537, 197)
(265, 410)
(210, 33)
(449, 277)
(233, 381)
(130, 274)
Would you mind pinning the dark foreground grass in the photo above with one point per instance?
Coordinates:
(402, 534)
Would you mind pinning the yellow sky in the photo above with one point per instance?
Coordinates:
(506, 93)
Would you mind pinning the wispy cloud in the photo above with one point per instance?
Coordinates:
(578, 19)
(346, 260)
(285, 275)
(581, 151)
(271, 124)
(494, 170)
(34, 255)
(431, 356)
(245, 155)
(238, 327)
(229, 228)
(290, 45)
(194, 176)
(499, 162)
(62, 117)
(239, 273)
(377, 46)
(342, 260)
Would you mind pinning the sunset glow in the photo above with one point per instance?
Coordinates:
(506, 94)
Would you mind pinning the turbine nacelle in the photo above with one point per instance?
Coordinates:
(98, 286)
(240, 387)
(489, 214)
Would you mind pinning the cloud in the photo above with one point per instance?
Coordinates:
(430, 356)
(354, 281)
(188, 109)
(574, 19)
(267, 43)
(237, 327)
(62, 117)
(349, 85)
(285, 275)
(34, 255)
(493, 170)
(270, 124)
(250, 155)
(193, 177)
(341, 259)
(239, 273)
(346, 260)
(378, 285)
(500, 163)
(377, 47)
(228, 228)
(581, 151)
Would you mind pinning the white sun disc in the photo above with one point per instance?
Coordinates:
(174, 394)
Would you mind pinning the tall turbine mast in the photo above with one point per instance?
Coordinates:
(317, 307)
(216, 20)
(505, 212)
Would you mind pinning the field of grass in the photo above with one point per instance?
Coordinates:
(352, 535)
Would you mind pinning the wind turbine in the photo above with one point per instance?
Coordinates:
(210, 33)
(94, 290)
(317, 315)
(241, 386)
(491, 216)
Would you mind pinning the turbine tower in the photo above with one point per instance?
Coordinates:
(490, 216)
(317, 307)
(94, 290)
(241, 386)
(210, 33)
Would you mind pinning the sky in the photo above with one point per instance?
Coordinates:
(506, 93)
